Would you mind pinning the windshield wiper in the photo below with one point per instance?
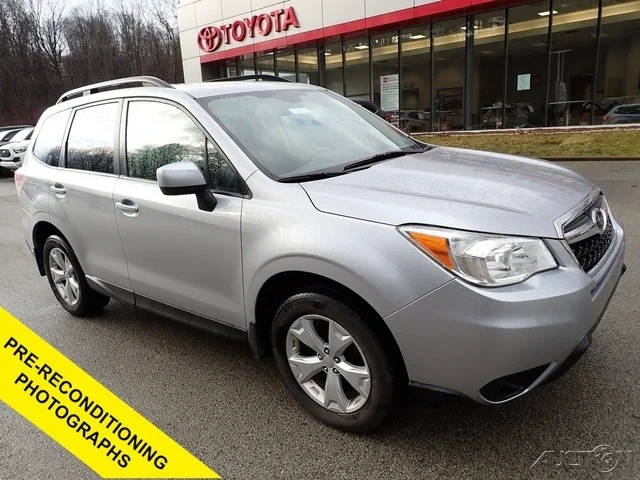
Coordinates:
(374, 159)
(365, 162)
(311, 176)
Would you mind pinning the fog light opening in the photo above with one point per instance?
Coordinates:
(509, 386)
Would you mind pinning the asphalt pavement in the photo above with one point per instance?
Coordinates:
(233, 412)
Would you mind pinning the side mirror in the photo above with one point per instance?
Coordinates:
(185, 178)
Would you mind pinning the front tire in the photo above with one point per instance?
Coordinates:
(67, 279)
(332, 362)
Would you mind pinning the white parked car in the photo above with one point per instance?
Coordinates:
(12, 153)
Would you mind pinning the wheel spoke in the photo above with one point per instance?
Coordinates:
(58, 259)
(68, 267)
(339, 339)
(358, 377)
(62, 289)
(57, 275)
(69, 292)
(334, 396)
(75, 288)
(305, 332)
(305, 367)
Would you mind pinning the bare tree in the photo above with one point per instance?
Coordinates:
(47, 48)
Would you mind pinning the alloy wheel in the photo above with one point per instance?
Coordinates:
(328, 363)
(64, 276)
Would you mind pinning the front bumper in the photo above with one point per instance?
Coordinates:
(12, 163)
(471, 340)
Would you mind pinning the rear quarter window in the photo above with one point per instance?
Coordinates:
(48, 144)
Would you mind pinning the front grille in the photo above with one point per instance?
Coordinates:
(589, 251)
(4, 153)
(583, 234)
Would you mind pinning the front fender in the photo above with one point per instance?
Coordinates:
(372, 259)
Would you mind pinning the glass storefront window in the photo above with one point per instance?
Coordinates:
(487, 91)
(440, 76)
(264, 63)
(308, 65)
(356, 67)
(286, 64)
(619, 61)
(231, 67)
(448, 74)
(416, 79)
(527, 65)
(571, 62)
(247, 65)
(385, 66)
(333, 65)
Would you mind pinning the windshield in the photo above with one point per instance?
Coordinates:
(7, 136)
(23, 135)
(295, 132)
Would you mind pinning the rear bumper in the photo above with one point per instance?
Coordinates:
(494, 345)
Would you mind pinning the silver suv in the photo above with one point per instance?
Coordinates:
(287, 215)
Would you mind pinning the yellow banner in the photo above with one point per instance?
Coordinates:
(66, 403)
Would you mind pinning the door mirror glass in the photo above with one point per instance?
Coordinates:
(185, 178)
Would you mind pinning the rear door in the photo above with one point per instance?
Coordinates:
(176, 253)
(81, 192)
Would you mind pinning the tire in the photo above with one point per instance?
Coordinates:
(304, 313)
(81, 300)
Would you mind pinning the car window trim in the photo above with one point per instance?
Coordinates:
(124, 163)
(116, 153)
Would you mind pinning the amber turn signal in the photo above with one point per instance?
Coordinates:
(438, 247)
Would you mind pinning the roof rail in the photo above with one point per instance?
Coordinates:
(257, 78)
(128, 82)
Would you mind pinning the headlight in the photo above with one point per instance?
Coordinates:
(20, 149)
(481, 258)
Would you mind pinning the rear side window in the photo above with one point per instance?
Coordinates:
(48, 145)
(90, 145)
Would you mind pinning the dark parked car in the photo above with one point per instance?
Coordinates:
(517, 115)
(372, 107)
(415, 120)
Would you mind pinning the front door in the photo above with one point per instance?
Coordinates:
(176, 253)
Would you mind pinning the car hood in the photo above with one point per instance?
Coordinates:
(456, 188)
(18, 144)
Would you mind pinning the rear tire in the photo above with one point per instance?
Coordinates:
(332, 362)
(67, 279)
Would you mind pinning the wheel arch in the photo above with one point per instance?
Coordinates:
(282, 285)
(41, 231)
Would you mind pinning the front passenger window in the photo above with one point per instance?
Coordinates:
(159, 134)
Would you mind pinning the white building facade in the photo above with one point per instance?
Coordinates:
(436, 64)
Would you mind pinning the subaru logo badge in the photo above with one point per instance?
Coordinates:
(599, 218)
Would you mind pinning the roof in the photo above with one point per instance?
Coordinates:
(208, 89)
(143, 87)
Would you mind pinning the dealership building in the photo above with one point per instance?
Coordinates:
(435, 65)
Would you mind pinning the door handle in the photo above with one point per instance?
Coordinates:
(128, 208)
(59, 190)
